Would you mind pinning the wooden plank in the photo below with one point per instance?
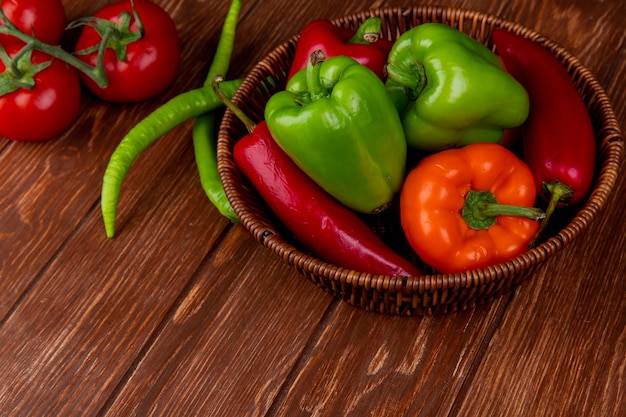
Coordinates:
(82, 324)
(364, 363)
(231, 343)
(44, 203)
(561, 346)
(183, 314)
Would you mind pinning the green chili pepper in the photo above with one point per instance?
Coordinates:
(336, 121)
(451, 90)
(188, 105)
(179, 109)
(203, 133)
(205, 150)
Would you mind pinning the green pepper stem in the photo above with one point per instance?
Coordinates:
(481, 210)
(250, 125)
(314, 83)
(413, 81)
(368, 32)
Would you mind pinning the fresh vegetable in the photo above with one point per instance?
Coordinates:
(319, 222)
(558, 138)
(183, 107)
(18, 38)
(204, 129)
(205, 150)
(179, 109)
(365, 45)
(336, 121)
(39, 95)
(468, 208)
(42, 19)
(451, 90)
(142, 53)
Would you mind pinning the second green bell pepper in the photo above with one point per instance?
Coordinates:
(339, 125)
(451, 90)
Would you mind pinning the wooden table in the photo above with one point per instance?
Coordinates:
(183, 313)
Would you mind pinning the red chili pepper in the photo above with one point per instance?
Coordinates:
(365, 45)
(319, 222)
(558, 137)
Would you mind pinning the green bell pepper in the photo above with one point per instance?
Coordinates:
(336, 121)
(451, 90)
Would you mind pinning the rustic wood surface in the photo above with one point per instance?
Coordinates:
(183, 313)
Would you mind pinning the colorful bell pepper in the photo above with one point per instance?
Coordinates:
(468, 208)
(451, 90)
(336, 121)
(365, 45)
(319, 222)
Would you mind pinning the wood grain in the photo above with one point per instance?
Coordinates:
(183, 313)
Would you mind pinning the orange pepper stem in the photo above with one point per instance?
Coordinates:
(481, 210)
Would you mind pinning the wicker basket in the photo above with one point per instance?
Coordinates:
(434, 293)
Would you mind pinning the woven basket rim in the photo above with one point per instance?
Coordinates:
(610, 143)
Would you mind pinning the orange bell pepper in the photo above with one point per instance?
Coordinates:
(470, 207)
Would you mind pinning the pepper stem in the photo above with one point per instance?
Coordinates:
(314, 83)
(481, 210)
(368, 32)
(559, 193)
(250, 125)
(413, 81)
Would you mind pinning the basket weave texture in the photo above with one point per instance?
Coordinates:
(434, 293)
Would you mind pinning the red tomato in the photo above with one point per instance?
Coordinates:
(45, 19)
(46, 110)
(151, 62)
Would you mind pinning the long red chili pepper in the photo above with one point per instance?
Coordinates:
(318, 221)
(323, 225)
(558, 137)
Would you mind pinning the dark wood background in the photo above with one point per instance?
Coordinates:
(185, 314)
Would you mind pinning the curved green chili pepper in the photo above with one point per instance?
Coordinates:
(205, 150)
(224, 50)
(179, 109)
(204, 129)
(176, 111)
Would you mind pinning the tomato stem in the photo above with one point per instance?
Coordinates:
(31, 43)
(140, 26)
(20, 72)
(481, 210)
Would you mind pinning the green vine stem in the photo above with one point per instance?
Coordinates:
(96, 73)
